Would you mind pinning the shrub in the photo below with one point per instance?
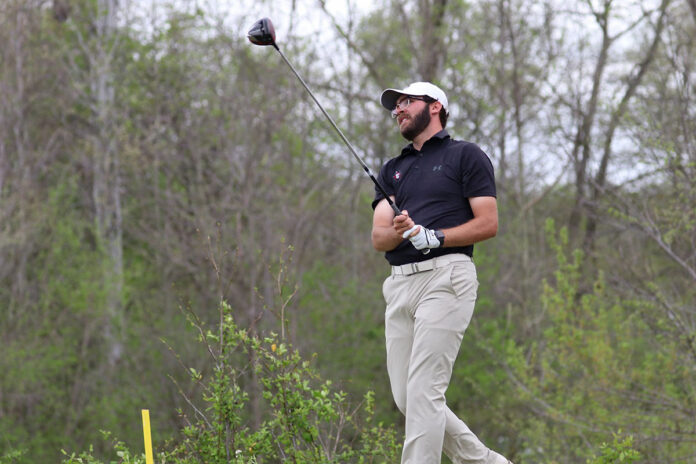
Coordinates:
(305, 420)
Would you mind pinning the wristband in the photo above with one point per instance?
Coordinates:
(440, 235)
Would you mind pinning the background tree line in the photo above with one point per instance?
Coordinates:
(153, 163)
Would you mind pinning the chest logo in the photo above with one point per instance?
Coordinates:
(397, 175)
(437, 168)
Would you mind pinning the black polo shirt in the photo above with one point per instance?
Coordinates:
(434, 185)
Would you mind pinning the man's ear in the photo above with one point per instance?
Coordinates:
(435, 107)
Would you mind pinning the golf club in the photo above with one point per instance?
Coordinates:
(263, 33)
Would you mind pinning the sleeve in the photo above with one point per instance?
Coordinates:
(384, 179)
(477, 176)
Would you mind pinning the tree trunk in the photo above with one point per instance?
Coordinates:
(582, 146)
(600, 179)
(432, 52)
(106, 186)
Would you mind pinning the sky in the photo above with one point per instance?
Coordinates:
(308, 16)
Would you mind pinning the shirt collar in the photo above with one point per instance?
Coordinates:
(440, 136)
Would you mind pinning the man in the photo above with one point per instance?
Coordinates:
(446, 189)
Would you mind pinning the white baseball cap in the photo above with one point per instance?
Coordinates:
(417, 89)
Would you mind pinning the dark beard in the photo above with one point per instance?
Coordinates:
(417, 124)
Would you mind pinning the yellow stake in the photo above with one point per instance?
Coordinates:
(148, 437)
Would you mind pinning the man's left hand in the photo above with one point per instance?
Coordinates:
(423, 238)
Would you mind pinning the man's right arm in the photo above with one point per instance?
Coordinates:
(385, 234)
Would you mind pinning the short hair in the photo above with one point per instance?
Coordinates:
(443, 112)
(443, 116)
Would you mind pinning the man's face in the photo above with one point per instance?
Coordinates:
(413, 119)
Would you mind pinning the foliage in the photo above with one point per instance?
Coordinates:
(593, 372)
(618, 451)
(122, 452)
(134, 140)
(306, 420)
(12, 456)
(354, 358)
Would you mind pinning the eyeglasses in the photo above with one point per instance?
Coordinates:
(403, 104)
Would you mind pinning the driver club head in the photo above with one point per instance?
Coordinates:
(262, 32)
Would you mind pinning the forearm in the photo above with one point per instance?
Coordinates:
(385, 232)
(476, 230)
(385, 238)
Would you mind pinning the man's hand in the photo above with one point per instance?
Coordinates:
(403, 223)
(423, 238)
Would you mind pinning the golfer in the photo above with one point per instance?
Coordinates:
(446, 189)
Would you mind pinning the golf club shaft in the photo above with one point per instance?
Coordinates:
(340, 133)
(397, 211)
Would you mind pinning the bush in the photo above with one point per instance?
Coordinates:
(304, 419)
(619, 451)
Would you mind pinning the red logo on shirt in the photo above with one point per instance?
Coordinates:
(397, 175)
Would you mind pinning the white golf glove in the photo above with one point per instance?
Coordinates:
(425, 238)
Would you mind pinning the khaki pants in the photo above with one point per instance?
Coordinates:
(426, 316)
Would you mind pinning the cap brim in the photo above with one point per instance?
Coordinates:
(389, 98)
